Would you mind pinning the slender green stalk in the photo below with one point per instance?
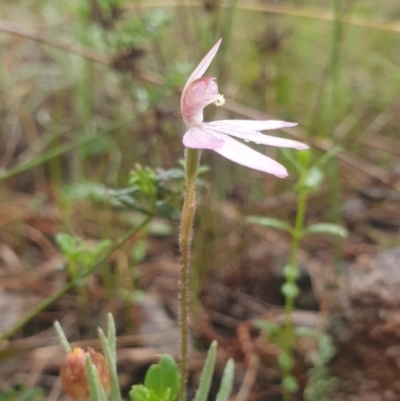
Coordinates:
(335, 82)
(183, 13)
(225, 32)
(297, 233)
(292, 291)
(189, 207)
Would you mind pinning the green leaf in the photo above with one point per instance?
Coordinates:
(139, 250)
(86, 190)
(304, 157)
(173, 174)
(62, 338)
(290, 290)
(100, 247)
(291, 272)
(291, 157)
(111, 335)
(163, 376)
(326, 348)
(270, 222)
(290, 384)
(142, 393)
(266, 326)
(95, 387)
(166, 395)
(313, 179)
(307, 332)
(326, 228)
(328, 156)
(206, 374)
(167, 211)
(286, 361)
(108, 345)
(66, 243)
(226, 382)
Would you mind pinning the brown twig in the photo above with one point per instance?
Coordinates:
(252, 360)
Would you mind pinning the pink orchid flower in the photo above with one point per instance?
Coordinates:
(198, 93)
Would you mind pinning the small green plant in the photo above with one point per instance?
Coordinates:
(149, 192)
(162, 381)
(310, 178)
(80, 255)
(97, 377)
(320, 383)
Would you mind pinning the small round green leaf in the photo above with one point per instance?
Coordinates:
(291, 272)
(304, 157)
(313, 179)
(326, 228)
(66, 243)
(270, 222)
(163, 376)
(290, 384)
(290, 290)
(267, 326)
(286, 362)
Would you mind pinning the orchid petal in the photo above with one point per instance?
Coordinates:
(201, 68)
(258, 125)
(246, 156)
(197, 138)
(225, 127)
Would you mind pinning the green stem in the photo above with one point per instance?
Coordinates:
(335, 82)
(189, 207)
(288, 334)
(297, 233)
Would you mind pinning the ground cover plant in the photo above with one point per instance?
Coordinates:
(99, 99)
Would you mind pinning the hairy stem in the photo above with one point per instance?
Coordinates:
(189, 207)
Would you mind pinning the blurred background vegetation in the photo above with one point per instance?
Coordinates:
(91, 145)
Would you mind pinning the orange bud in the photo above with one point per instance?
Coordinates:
(73, 375)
